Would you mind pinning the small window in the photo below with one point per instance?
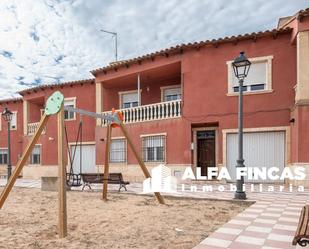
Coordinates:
(69, 115)
(3, 156)
(35, 157)
(129, 100)
(236, 89)
(258, 79)
(14, 121)
(118, 151)
(172, 94)
(154, 148)
(257, 87)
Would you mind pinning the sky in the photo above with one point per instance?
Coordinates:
(52, 41)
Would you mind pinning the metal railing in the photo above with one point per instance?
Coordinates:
(32, 127)
(157, 111)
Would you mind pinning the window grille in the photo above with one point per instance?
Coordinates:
(3, 156)
(118, 151)
(153, 148)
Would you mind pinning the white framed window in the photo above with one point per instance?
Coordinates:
(72, 103)
(259, 78)
(153, 148)
(128, 99)
(14, 121)
(118, 150)
(35, 157)
(171, 93)
(3, 156)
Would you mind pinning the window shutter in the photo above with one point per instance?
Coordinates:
(69, 102)
(172, 91)
(256, 75)
(36, 150)
(14, 121)
(129, 97)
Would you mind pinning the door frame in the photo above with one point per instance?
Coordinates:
(195, 130)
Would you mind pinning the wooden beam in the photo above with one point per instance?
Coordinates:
(62, 197)
(140, 161)
(106, 164)
(23, 160)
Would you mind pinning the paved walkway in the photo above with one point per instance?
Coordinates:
(270, 223)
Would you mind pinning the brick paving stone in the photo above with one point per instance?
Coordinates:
(239, 245)
(250, 240)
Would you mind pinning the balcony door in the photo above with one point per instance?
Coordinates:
(128, 99)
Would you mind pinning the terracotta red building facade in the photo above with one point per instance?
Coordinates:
(180, 107)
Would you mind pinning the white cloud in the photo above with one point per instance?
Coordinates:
(53, 40)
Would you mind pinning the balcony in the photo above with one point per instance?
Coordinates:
(32, 127)
(143, 113)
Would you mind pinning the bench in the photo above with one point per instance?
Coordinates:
(302, 233)
(113, 178)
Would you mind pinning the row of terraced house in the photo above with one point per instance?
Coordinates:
(180, 108)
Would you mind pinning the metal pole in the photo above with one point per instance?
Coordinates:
(9, 151)
(240, 194)
(116, 41)
(139, 89)
(116, 47)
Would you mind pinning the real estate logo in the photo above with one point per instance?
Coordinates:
(161, 181)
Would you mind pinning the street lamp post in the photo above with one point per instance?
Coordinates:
(7, 116)
(241, 66)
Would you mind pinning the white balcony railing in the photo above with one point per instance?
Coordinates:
(32, 127)
(157, 111)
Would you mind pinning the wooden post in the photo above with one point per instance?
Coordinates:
(106, 164)
(23, 160)
(62, 176)
(140, 161)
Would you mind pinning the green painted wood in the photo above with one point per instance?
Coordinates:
(53, 104)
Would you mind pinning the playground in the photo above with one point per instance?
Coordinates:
(125, 221)
(85, 221)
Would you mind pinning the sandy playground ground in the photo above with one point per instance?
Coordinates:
(29, 220)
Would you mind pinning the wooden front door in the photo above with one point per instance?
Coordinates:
(206, 150)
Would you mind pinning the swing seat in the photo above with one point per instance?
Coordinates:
(74, 180)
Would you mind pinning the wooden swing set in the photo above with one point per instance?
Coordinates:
(55, 105)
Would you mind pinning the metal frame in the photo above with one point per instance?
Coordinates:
(55, 106)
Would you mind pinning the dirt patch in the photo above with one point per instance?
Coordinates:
(29, 220)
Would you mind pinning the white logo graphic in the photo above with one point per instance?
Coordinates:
(161, 181)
